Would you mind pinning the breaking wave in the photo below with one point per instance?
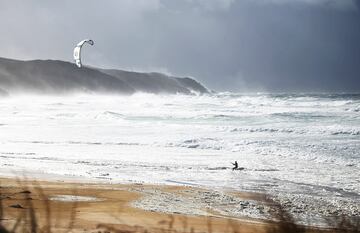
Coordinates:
(281, 140)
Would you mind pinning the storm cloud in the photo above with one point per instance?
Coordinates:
(236, 45)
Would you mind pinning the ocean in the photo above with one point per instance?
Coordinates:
(304, 145)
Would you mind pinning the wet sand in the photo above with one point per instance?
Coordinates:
(92, 207)
(88, 207)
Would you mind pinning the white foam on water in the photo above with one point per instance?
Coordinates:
(292, 144)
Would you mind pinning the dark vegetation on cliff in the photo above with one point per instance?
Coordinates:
(60, 77)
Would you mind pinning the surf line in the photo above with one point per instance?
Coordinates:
(181, 182)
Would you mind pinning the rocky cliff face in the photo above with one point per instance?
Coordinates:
(59, 77)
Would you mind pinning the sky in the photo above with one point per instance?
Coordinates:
(228, 45)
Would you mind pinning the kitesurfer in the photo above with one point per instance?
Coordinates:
(236, 166)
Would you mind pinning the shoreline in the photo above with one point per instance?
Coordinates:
(106, 206)
(139, 207)
(303, 209)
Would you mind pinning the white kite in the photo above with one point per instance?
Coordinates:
(77, 51)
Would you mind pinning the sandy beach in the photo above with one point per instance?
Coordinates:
(58, 206)
(82, 207)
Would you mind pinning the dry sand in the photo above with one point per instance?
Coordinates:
(87, 207)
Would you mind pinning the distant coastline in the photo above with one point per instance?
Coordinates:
(60, 77)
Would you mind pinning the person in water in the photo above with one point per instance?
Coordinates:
(236, 166)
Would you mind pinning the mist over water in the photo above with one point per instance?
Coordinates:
(299, 144)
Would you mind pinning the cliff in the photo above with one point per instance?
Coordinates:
(60, 77)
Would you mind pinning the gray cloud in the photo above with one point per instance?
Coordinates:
(345, 4)
(226, 4)
(357, 3)
(280, 45)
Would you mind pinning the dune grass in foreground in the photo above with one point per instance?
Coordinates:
(30, 207)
